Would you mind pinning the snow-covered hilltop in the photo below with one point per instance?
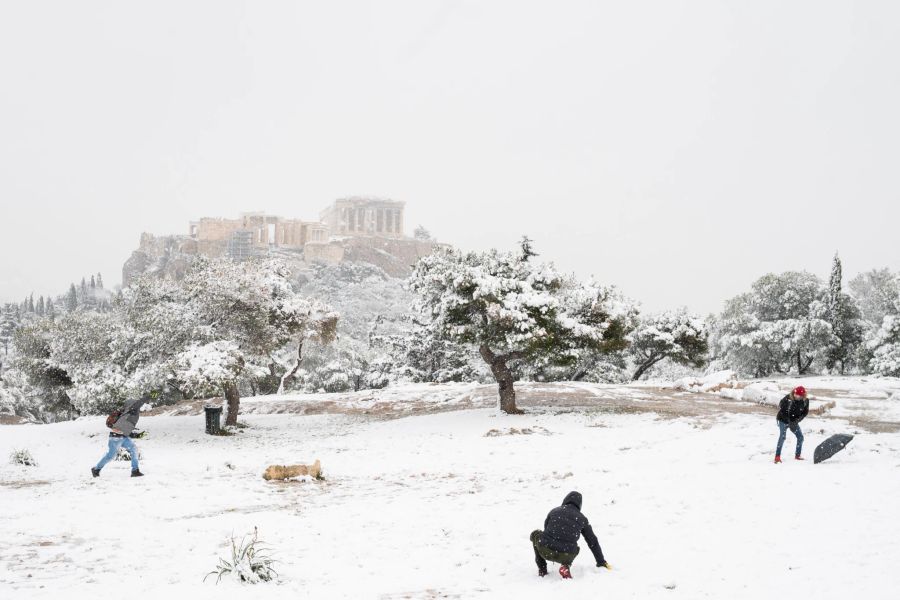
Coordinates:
(354, 230)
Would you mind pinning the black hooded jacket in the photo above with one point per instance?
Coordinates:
(565, 524)
(792, 411)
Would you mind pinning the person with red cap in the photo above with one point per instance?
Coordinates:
(792, 409)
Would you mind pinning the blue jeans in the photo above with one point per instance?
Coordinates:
(114, 444)
(782, 433)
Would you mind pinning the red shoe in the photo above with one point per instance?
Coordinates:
(564, 572)
(799, 458)
(777, 460)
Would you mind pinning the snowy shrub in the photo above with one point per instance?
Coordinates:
(249, 562)
(22, 457)
(125, 456)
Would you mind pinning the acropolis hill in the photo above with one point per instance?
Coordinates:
(350, 229)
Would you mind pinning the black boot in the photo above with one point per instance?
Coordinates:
(95, 471)
(136, 473)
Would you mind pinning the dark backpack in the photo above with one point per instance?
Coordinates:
(112, 418)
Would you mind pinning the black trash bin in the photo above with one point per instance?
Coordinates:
(213, 419)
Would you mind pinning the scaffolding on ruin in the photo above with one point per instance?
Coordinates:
(240, 245)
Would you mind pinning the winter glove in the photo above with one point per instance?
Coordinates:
(136, 435)
(606, 565)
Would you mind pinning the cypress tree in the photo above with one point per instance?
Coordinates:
(72, 298)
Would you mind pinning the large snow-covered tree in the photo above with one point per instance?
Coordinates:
(877, 292)
(675, 335)
(253, 305)
(515, 310)
(780, 325)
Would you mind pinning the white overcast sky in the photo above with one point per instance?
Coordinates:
(676, 149)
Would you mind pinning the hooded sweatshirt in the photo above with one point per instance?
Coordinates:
(565, 525)
(130, 415)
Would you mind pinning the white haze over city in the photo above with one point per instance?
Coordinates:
(677, 151)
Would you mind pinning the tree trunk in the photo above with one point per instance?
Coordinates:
(292, 372)
(644, 367)
(233, 398)
(803, 368)
(504, 378)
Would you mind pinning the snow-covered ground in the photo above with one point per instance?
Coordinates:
(440, 505)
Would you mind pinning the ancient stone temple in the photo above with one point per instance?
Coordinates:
(364, 216)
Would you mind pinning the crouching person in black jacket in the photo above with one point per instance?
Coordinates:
(558, 542)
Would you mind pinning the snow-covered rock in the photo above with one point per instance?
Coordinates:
(708, 383)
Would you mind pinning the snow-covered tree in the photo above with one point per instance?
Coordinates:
(374, 314)
(885, 347)
(846, 321)
(674, 335)
(72, 298)
(877, 292)
(422, 234)
(17, 397)
(82, 346)
(781, 324)
(419, 355)
(33, 344)
(515, 311)
(252, 304)
(9, 322)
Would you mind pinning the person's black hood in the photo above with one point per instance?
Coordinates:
(573, 498)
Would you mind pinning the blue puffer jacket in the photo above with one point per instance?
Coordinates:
(565, 525)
